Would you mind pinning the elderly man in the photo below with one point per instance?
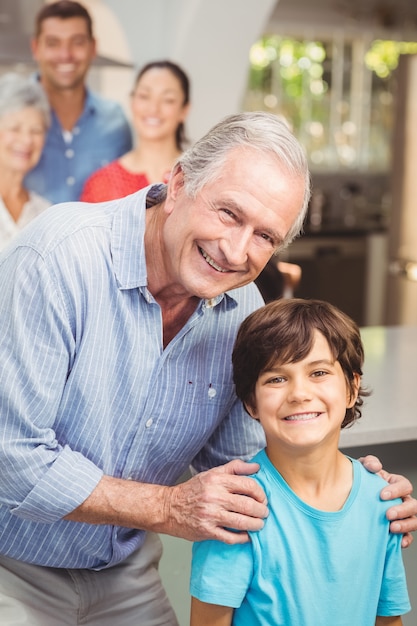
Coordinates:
(117, 325)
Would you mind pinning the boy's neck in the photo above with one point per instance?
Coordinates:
(321, 480)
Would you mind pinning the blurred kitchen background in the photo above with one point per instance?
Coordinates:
(344, 75)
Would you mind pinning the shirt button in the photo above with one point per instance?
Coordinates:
(69, 153)
(76, 130)
(70, 181)
(149, 423)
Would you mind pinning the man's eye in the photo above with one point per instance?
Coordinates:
(268, 239)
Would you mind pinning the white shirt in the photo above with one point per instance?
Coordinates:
(9, 228)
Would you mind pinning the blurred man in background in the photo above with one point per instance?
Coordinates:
(87, 131)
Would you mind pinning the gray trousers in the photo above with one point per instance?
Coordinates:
(128, 594)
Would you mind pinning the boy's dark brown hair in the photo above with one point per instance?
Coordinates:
(63, 9)
(283, 332)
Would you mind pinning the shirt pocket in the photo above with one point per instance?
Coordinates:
(197, 409)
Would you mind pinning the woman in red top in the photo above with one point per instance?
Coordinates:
(159, 105)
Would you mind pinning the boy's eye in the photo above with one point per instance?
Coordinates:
(276, 380)
(319, 373)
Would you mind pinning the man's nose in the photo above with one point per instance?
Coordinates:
(65, 51)
(236, 245)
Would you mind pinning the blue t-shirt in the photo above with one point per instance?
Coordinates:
(308, 567)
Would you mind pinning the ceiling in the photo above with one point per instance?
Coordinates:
(383, 18)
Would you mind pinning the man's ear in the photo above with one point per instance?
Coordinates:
(93, 49)
(175, 186)
(34, 47)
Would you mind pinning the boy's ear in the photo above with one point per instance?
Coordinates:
(251, 410)
(352, 397)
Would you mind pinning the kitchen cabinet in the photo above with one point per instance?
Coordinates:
(333, 269)
(345, 267)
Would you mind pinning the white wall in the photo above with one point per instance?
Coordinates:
(210, 39)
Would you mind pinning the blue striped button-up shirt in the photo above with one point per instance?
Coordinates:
(87, 387)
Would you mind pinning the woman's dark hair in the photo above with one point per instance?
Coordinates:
(178, 72)
(283, 332)
(64, 9)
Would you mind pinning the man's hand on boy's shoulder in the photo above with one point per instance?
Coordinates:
(403, 517)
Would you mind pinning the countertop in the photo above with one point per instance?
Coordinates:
(389, 414)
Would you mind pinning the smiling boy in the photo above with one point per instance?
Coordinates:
(318, 560)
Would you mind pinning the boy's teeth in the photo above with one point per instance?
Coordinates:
(304, 416)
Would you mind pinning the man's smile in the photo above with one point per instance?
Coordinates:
(212, 262)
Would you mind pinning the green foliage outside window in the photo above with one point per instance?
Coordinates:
(382, 57)
(337, 95)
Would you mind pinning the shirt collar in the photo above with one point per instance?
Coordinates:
(91, 101)
(127, 243)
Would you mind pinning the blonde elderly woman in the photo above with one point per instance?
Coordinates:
(24, 120)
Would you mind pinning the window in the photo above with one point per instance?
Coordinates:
(337, 95)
